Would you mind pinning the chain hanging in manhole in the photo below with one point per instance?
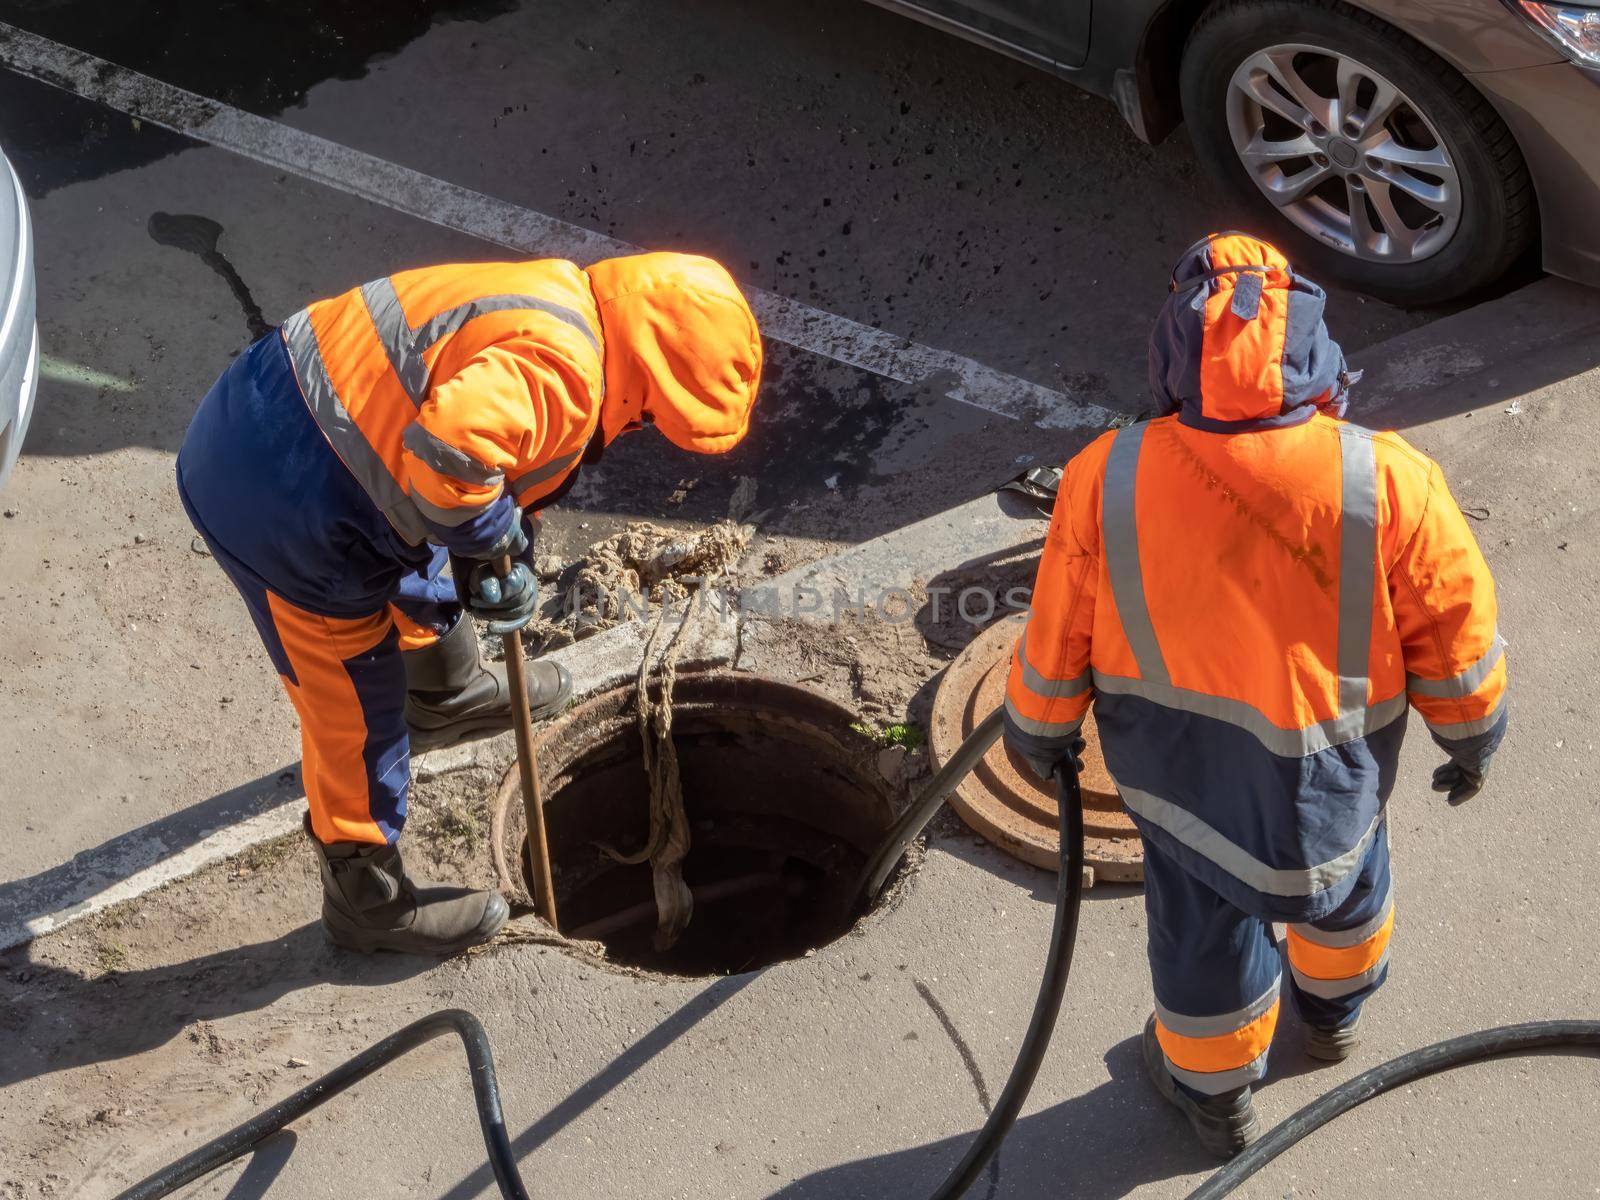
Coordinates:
(785, 804)
(1001, 799)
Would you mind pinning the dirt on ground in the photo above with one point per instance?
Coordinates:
(631, 573)
(153, 977)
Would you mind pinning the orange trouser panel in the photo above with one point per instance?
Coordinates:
(333, 729)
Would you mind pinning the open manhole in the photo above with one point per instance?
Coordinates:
(785, 806)
(1001, 798)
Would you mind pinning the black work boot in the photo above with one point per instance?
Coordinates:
(1225, 1124)
(370, 903)
(1333, 1043)
(452, 695)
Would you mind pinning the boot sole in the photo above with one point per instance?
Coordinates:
(373, 941)
(481, 727)
(1218, 1140)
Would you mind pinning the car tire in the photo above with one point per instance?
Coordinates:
(1493, 212)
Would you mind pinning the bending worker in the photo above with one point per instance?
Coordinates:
(340, 463)
(1251, 591)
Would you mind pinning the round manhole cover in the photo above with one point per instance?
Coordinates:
(1001, 799)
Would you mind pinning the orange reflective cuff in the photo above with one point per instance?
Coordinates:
(1056, 710)
(540, 481)
(1339, 962)
(333, 730)
(1220, 1052)
(457, 511)
(1452, 710)
(445, 491)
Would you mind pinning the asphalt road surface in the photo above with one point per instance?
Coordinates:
(831, 153)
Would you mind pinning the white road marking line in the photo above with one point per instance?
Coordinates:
(527, 232)
(140, 861)
(59, 370)
(36, 912)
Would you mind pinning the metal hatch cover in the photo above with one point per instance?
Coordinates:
(1001, 799)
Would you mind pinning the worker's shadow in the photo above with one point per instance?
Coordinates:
(53, 1019)
(1103, 1144)
(966, 599)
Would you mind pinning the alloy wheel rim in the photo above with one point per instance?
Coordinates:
(1343, 153)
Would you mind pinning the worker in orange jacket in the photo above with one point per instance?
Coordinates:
(1251, 592)
(423, 419)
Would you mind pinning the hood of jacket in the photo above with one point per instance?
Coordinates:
(1240, 342)
(682, 350)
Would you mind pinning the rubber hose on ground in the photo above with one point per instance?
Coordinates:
(1474, 1047)
(241, 1140)
(1442, 1056)
(915, 819)
(1058, 964)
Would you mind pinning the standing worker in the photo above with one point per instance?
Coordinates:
(1252, 590)
(342, 460)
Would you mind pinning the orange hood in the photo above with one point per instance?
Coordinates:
(1240, 343)
(681, 349)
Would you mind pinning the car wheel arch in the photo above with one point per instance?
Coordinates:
(1161, 46)
(1480, 145)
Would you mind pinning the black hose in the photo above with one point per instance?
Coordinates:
(1069, 894)
(1441, 1056)
(915, 819)
(1058, 963)
(1473, 1047)
(240, 1140)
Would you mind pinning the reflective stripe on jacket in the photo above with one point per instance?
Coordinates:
(446, 389)
(1251, 613)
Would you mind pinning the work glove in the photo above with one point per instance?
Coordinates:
(1462, 782)
(506, 602)
(1045, 767)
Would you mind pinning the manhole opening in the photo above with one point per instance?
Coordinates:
(785, 806)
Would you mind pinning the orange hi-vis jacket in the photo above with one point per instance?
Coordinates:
(1251, 593)
(455, 393)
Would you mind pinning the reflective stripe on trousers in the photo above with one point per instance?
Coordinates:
(1331, 964)
(1215, 970)
(1219, 1053)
